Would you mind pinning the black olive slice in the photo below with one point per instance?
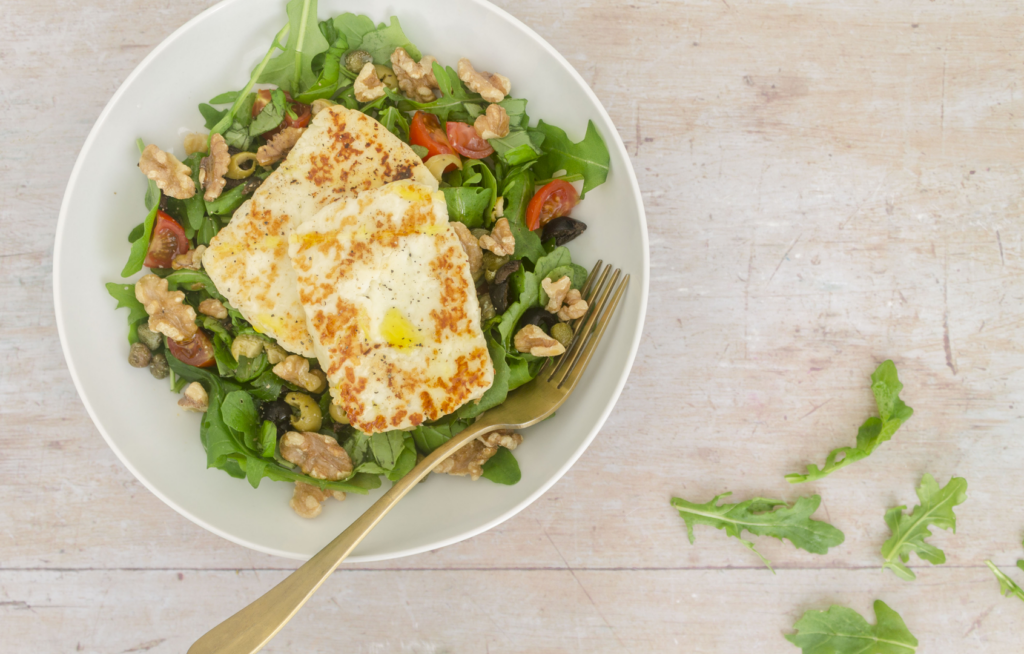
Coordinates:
(499, 296)
(279, 413)
(537, 316)
(502, 274)
(563, 229)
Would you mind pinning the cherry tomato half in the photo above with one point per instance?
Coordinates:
(197, 352)
(303, 112)
(168, 241)
(426, 132)
(466, 141)
(553, 200)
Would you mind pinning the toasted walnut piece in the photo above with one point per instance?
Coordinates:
(470, 459)
(532, 339)
(320, 104)
(493, 124)
(317, 455)
(193, 259)
(307, 499)
(469, 245)
(416, 80)
(295, 369)
(278, 146)
(196, 143)
(171, 176)
(214, 167)
(368, 86)
(492, 87)
(500, 241)
(275, 353)
(556, 291)
(168, 313)
(573, 306)
(195, 398)
(213, 308)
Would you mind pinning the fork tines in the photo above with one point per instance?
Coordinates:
(589, 329)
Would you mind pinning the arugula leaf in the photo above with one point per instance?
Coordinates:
(841, 630)
(243, 97)
(239, 413)
(577, 277)
(292, 70)
(589, 157)
(330, 77)
(764, 517)
(910, 530)
(886, 387)
(502, 468)
(354, 28)
(140, 245)
(228, 201)
(528, 299)
(467, 204)
(516, 148)
(518, 192)
(211, 115)
(498, 391)
(381, 42)
(1007, 587)
(125, 296)
(152, 191)
(195, 206)
(267, 119)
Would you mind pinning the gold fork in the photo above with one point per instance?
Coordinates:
(249, 630)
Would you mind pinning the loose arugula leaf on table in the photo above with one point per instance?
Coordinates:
(1007, 587)
(841, 630)
(140, 246)
(292, 70)
(589, 157)
(886, 387)
(763, 517)
(910, 530)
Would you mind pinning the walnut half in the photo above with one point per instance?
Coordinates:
(307, 499)
(493, 124)
(213, 167)
(469, 245)
(317, 455)
(500, 241)
(532, 339)
(168, 313)
(278, 147)
(195, 398)
(295, 369)
(416, 80)
(368, 86)
(491, 86)
(171, 176)
(470, 459)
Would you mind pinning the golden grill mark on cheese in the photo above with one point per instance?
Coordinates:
(391, 306)
(342, 153)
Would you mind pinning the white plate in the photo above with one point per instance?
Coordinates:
(137, 415)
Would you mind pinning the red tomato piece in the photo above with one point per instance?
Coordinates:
(197, 352)
(466, 141)
(303, 112)
(426, 132)
(553, 200)
(168, 241)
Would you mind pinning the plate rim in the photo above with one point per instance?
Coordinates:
(615, 140)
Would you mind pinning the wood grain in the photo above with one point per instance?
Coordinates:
(828, 184)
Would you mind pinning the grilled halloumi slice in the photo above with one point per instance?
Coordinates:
(341, 153)
(392, 307)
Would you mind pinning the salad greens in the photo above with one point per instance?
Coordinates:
(886, 387)
(910, 530)
(763, 517)
(1006, 585)
(306, 62)
(841, 630)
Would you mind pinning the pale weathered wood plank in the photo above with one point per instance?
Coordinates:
(827, 184)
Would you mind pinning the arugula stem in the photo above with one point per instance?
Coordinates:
(229, 117)
(298, 47)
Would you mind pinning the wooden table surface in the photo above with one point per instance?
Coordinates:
(828, 184)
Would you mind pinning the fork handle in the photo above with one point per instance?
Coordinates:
(249, 630)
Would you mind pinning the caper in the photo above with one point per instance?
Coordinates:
(562, 333)
(338, 414)
(356, 59)
(492, 263)
(309, 418)
(486, 308)
(241, 165)
(158, 366)
(386, 76)
(153, 340)
(139, 355)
